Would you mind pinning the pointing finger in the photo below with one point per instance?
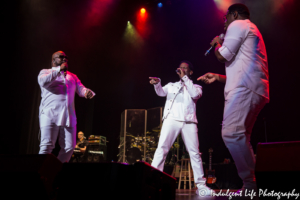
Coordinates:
(201, 78)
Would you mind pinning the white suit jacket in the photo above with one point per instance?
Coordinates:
(182, 97)
(58, 92)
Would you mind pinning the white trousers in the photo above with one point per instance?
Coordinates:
(242, 107)
(66, 138)
(189, 133)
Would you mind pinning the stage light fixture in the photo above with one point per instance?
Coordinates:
(143, 10)
(159, 5)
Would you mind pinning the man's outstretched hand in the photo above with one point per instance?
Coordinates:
(154, 80)
(208, 78)
(88, 94)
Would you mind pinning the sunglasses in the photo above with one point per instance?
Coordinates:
(62, 57)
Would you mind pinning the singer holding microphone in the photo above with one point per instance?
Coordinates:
(180, 117)
(57, 111)
(246, 86)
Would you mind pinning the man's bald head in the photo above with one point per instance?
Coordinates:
(58, 53)
(58, 58)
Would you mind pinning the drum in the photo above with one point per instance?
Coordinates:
(133, 155)
(151, 142)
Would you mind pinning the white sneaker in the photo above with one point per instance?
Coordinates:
(203, 190)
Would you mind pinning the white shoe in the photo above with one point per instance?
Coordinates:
(203, 190)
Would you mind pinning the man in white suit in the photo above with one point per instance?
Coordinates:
(57, 111)
(180, 117)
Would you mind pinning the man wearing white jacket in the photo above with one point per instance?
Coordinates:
(57, 111)
(180, 117)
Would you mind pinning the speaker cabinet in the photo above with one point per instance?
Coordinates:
(277, 168)
(114, 181)
(29, 176)
(96, 153)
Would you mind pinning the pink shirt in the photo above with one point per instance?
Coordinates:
(245, 52)
(58, 92)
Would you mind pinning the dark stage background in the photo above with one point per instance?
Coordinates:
(116, 61)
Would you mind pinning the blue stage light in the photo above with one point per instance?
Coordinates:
(159, 5)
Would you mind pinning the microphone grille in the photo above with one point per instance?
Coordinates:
(222, 36)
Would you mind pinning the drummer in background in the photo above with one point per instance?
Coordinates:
(82, 142)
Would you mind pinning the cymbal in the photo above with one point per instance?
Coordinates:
(139, 138)
(176, 145)
(151, 149)
(156, 129)
(128, 134)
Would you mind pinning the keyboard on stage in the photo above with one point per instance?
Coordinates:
(96, 152)
(77, 151)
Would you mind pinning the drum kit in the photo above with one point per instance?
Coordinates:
(143, 148)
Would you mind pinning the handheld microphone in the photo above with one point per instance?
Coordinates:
(65, 68)
(177, 71)
(208, 51)
(65, 72)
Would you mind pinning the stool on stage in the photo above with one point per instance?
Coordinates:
(185, 173)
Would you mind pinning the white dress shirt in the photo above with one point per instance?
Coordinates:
(181, 99)
(58, 92)
(245, 52)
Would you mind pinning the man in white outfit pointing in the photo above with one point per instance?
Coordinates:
(180, 117)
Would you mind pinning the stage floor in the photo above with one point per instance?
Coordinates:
(191, 195)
